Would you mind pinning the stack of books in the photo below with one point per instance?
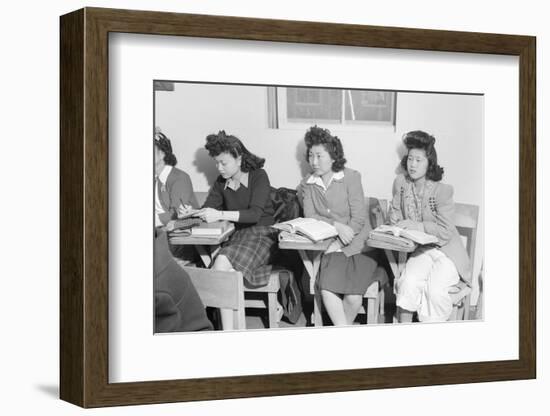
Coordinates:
(183, 224)
(212, 229)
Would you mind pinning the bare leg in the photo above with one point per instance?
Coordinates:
(352, 303)
(404, 315)
(222, 263)
(335, 307)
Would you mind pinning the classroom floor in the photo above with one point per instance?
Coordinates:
(257, 319)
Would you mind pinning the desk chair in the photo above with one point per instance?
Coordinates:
(466, 220)
(265, 297)
(218, 289)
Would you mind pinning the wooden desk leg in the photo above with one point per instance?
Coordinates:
(317, 301)
(312, 267)
(401, 262)
(205, 255)
(393, 263)
(397, 266)
(308, 265)
(214, 251)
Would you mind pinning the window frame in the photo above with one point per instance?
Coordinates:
(277, 113)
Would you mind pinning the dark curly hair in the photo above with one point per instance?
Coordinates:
(332, 144)
(418, 139)
(163, 143)
(222, 143)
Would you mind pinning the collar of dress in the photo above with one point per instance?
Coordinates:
(235, 184)
(317, 180)
(164, 174)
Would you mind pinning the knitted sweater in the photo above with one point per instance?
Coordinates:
(253, 202)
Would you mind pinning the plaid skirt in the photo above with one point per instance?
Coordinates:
(250, 251)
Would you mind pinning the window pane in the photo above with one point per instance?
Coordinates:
(363, 105)
(314, 104)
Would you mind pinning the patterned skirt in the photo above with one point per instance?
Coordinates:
(250, 251)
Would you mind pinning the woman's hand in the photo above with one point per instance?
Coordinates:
(411, 225)
(170, 225)
(334, 246)
(183, 210)
(209, 214)
(345, 232)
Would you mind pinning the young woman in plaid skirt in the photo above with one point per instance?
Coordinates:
(240, 194)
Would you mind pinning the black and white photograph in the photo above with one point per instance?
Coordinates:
(248, 208)
(280, 207)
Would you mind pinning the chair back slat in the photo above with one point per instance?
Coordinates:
(220, 289)
(376, 210)
(466, 221)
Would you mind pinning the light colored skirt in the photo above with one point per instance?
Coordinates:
(424, 285)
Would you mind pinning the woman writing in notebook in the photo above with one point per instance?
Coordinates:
(334, 194)
(241, 194)
(421, 202)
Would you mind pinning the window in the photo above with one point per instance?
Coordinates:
(302, 107)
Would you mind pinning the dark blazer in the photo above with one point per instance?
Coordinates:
(437, 218)
(177, 190)
(178, 307)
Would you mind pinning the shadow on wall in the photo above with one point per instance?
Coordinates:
(205, 165)
(305, 169)
(401, 151)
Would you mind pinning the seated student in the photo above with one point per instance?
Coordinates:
(173, 191)
(178, 307)
(241, 194)
(421, 202)
(173, 187)
(334, 194)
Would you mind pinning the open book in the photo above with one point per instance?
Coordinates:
(293, 237)
(313, 229)
(418, 237)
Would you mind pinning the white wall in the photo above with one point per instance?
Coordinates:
(192, 111)
(30, 271)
